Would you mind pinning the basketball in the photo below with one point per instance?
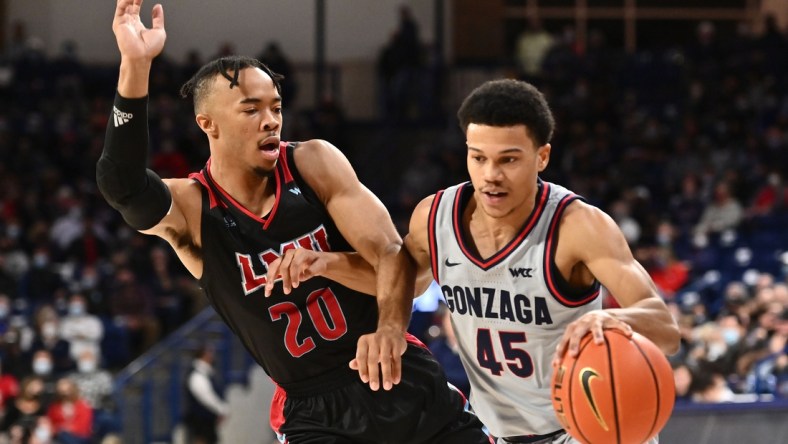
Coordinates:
(619, 392)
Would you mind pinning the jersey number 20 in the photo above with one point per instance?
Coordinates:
(326, 315)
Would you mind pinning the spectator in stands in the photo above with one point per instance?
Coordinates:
(769, 198)
(532, 46)
(8, 283)
(687, 207)
(171, 290)
(205, 407)
(90, 245)
(70, 414)
(668, 273)
(682, 377)
(95, 386)
(5, 313)
(9, 389)
(44, 433)
(722, 213)
(132, 306)
(24, 410)
(94, 383)
(273, 57)
(709, 386)
(400, 68)
(48, 339)
(40, 284)
(41, 366)
(81, 329)
(768, 373)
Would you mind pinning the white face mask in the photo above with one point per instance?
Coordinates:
(49, 330)
(3, 311)
(43, 434)
(76, 309)
(86, 365)
(42, 366)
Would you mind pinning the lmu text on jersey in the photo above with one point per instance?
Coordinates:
(492, 303)
(316, 240)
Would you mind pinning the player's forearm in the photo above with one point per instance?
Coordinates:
(650, 318)
(121, 171)
(395, 287)
(352, 271)
(133, 79)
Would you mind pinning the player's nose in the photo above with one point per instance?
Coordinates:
(492, 173)
(270, 121)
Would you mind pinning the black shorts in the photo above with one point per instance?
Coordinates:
(340, 408)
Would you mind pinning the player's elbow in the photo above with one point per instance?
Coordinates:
(671, 340)
(143, 200)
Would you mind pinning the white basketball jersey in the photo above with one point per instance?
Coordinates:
(509, 310)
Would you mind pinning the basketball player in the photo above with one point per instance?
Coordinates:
(256, 198)
(521, 263)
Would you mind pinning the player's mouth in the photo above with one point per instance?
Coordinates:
(493, 197)
(269, 148)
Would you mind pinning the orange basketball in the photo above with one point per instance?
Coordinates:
(618, 392)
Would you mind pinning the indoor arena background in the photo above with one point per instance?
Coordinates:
(672, 116)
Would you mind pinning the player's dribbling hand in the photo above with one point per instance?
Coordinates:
(293, 267)
(595, 322)
(379, 357)
(135, 41)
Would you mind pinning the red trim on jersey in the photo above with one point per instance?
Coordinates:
(283, 157)
(486, 264)
(265, 221)
(277, 414)
(409, 338)
(432, 236)
(199, 177)
(548, 257)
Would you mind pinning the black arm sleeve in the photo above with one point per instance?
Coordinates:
(121, 174)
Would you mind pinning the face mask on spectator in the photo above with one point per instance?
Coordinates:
(3, 311)
(49, 330)
(86, 365)
(13, 231)
(42, 366)
(40, 260)
(76, 308)
(89, 281)
(43, 434)
(730, 336)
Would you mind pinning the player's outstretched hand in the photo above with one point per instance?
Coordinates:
(135, 41)
(595, 322)
(379, 357)
(294, 266)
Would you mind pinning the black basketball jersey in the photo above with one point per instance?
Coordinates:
(316, 327)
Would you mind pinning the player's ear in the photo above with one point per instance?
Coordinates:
(207, 124)
(543, 156)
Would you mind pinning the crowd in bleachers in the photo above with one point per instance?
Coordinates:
(685, 147)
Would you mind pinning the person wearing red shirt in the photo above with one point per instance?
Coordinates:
(71, 415)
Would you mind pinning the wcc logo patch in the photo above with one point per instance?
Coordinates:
(521, 272)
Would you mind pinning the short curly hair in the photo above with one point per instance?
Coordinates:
(509, 102)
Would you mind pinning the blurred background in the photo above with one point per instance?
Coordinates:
(672, 116)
